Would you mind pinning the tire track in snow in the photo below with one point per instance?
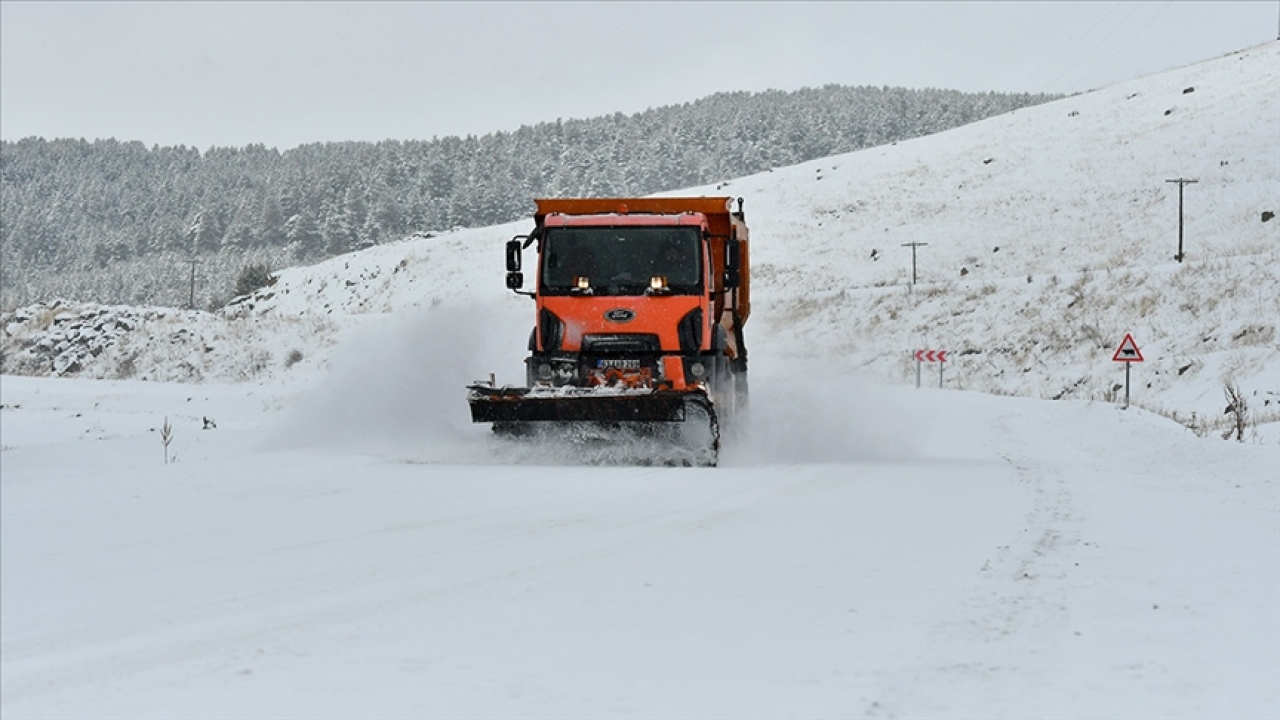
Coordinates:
(1017, 599)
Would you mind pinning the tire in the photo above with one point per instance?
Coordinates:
(724, 387)
(740, 385)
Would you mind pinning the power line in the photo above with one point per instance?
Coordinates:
(1070, 46)
(913, 246)
(1126, 44)
(1094, 49)
(192, 302)
(1182, 183)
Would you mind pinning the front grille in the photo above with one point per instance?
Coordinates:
(622, 344)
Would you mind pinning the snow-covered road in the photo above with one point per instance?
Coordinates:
(346, 544)
(1016, 558)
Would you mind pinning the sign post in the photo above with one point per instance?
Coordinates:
(938, 356)
(1128, 353)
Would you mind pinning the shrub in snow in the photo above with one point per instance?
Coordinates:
(252, 278)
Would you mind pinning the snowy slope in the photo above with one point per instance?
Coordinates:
(1050, 234)
(336, 538)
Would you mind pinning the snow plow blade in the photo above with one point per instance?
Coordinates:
(681, 427)
(518, 405)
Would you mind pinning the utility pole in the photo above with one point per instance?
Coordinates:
(191, 303)
(913, 246)
(1182, 182)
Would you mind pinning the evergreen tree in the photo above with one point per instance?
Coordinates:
(204, 234)
(339, 231)
(302, 237)
(270, 221)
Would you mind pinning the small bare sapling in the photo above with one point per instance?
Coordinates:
(1237, 409)
(166, 437)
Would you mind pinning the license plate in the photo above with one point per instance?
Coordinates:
(619, 364)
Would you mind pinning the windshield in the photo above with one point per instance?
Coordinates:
(622, 260)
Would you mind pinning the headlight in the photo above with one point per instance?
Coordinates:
(544, 372)
(697, 369)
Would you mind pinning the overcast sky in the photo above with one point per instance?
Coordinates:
(284, 74)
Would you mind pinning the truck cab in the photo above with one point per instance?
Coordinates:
(639, 297)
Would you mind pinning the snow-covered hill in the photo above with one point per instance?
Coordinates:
(1050, 234)
(308, 525)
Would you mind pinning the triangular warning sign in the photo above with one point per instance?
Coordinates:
(1128, 351)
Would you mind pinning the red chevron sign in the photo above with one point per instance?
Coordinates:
(931, 355)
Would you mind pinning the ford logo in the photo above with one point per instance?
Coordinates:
(620, 315)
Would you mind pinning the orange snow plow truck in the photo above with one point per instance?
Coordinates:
(641, 304)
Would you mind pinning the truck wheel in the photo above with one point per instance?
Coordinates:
(723, 386)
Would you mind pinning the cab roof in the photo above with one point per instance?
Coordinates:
(691, 219)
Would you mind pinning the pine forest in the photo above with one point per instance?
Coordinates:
(117, 222)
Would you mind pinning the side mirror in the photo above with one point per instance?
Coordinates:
(515, 280)
(513, 255)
